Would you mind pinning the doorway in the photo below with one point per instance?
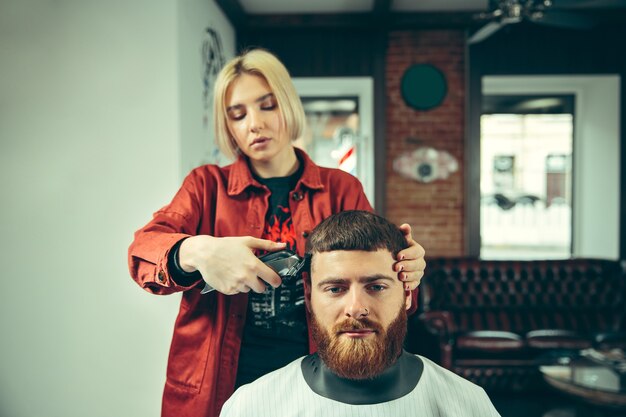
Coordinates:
(596, 155)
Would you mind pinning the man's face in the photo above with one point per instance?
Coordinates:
(358, 308)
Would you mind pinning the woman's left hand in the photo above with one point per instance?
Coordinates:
(411, 264)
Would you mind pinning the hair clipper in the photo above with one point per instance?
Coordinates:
(287, 264)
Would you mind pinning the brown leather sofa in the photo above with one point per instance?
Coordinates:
(494, 322)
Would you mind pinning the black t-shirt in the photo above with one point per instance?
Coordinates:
(275, 332)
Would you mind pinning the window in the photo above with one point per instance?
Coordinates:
(526, 183)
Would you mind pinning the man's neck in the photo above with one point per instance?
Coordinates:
(395, 382)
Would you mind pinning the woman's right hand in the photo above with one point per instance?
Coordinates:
(228, 264)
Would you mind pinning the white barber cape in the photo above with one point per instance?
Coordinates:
(285, 393)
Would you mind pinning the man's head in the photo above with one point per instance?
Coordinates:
(357, 303)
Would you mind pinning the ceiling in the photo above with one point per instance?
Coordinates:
(260, 14)
(388, 14)
(343, 6)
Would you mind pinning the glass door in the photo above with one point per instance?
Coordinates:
(339, 132)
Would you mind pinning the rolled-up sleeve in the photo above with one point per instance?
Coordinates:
(148, 254)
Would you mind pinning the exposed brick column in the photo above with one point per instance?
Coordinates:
(434, 210)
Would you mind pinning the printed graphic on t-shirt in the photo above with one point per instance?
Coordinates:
(282, 306)
(279, 228)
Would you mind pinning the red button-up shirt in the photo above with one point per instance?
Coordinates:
(227, 201)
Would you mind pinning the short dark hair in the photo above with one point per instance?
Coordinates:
(356, 230)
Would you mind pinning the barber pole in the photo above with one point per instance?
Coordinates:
(347, 159)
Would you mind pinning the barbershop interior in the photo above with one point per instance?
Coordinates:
(495, 128)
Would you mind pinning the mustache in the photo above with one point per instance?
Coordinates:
(353, 324)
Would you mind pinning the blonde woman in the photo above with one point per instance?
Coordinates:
(217, 224)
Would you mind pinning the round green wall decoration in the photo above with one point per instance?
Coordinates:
(423, 86)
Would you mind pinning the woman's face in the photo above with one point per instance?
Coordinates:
(254, 119)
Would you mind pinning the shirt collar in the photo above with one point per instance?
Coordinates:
(240, 176)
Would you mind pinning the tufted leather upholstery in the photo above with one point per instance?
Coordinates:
(494, 321)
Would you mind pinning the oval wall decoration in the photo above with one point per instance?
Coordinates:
(423, 87)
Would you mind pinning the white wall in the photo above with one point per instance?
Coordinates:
(89, 148)
(196, 127)
(596, 195)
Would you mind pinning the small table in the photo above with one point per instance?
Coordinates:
(596, 377)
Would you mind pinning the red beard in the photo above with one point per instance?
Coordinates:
(360, 358)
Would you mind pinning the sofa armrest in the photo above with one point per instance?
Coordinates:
(439, 323)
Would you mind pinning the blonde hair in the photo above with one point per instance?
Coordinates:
(264, 64)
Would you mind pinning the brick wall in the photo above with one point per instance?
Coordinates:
(434, 210)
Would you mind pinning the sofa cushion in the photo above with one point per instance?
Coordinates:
(492, 341)
(556, 339)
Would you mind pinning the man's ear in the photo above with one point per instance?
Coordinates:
(306, 279)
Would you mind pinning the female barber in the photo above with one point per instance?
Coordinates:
(217, 224)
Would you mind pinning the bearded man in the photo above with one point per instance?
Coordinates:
(358, 318)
